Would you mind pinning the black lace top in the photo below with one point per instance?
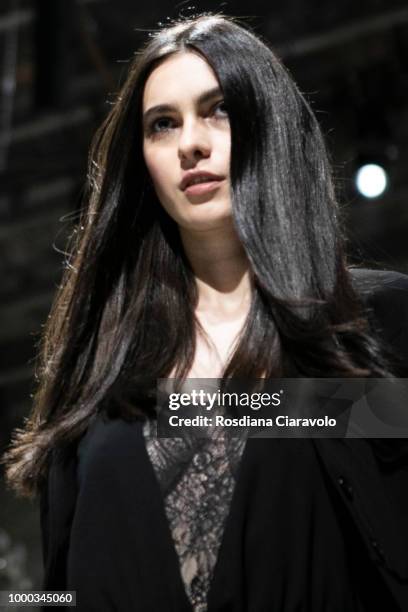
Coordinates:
(197, 478)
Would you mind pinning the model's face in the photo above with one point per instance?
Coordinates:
(186, 132)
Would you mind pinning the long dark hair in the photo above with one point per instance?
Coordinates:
(124, 313)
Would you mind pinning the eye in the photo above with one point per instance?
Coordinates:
(220, 109)
(161, 124)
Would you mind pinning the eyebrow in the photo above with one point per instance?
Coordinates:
(206, 96)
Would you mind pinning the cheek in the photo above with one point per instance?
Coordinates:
(227, 148)
(159, 171)
(222, 151)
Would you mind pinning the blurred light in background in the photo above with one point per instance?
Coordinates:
(371, 180)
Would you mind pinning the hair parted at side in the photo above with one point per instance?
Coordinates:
(123, 315)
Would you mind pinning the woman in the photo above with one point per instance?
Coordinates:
(211, 247)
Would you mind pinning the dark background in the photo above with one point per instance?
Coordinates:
(61, 63)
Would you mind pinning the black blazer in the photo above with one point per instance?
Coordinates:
(314, 524)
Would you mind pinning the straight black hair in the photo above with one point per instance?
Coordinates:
(124, 313)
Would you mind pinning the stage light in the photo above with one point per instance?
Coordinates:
(371, 180)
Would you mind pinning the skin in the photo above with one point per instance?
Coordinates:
(195, 135)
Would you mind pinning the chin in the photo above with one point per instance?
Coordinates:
(206, 217)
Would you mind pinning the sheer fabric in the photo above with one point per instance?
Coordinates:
(197, 478)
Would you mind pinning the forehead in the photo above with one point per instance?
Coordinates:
(180, 77)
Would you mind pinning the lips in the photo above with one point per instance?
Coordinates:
(200, 189)
(194, 179)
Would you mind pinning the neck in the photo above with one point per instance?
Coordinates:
(221, 269)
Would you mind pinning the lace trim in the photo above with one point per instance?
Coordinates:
(197, 479)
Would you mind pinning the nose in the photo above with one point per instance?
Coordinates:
(194, 142)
